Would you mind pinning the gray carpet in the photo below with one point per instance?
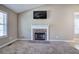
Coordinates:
(38, 47)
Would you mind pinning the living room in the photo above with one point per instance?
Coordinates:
(39, 28)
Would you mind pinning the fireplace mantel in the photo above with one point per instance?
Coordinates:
(37, 26)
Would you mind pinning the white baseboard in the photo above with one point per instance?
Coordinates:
(48, 40)
(61, 40)
(23, 39)
(7, 43)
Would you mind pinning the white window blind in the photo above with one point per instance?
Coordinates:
(3, 24)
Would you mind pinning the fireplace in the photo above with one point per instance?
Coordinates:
(39, 32)
(40, 36)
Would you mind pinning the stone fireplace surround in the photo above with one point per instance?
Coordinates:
(39, 28)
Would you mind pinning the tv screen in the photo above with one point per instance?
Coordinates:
(40, 15)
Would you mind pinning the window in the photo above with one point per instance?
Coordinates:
(76, 23)
(3, 24)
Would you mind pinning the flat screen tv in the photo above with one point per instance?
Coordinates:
(39, 14)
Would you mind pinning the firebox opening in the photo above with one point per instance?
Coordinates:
(40, 36)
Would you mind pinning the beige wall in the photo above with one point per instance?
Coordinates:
(60, 20)
(12, 26)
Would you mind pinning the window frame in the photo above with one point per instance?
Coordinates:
(75, 13)
(5, 36)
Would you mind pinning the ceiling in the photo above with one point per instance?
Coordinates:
(18, 8)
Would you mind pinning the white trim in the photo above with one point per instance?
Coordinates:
(23, 39)
(61, 40)
(75, 14)
(6, 24)
(50, 40)
(7, 43)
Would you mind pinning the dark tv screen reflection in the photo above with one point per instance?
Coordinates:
(39, 14)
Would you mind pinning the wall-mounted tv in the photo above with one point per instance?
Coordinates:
(39, 14)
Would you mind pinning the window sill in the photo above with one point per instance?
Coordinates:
(1, 37)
